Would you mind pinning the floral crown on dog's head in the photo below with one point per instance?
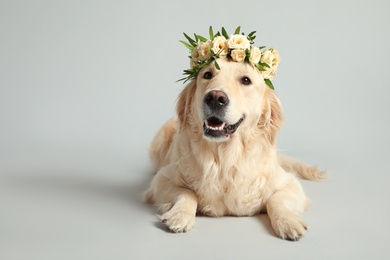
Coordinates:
(237, 47)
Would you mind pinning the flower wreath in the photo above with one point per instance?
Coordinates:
(237, 47)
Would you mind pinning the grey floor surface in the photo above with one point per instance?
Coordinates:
(84, 85)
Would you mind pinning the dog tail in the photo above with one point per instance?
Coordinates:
(301, 169)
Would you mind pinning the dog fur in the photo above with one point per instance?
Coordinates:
(238, 174)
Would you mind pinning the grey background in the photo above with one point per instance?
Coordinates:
(84, 85)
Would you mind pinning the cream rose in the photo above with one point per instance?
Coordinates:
(220, 46)
(195, 54)
(276, 60)
(238, 55)
(192, 63)
(266, 57)
(194, 57)
(269, 73)
(204, 50)
(238, 41)
(272, 58)
(254, 56)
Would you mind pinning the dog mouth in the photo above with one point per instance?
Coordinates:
(215, 128)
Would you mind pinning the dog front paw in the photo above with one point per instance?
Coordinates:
(290, 227)
(178, 221)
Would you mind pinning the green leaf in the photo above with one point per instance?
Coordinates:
(260, 68)
(216, 65)
(186, 79)
(264, 65)
(269, 84)
(202, 39)
(261, 47)
(237, 31)
(224, 33)
(180, 79)
(211, 33)
(252, 34)
(190, 40)
(210, 51)
(190, 47)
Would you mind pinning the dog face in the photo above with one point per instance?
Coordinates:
(228, 97)
(231, 100)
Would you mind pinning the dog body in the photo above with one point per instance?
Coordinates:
(219, 157)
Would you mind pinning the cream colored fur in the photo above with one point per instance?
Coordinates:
(241, 175)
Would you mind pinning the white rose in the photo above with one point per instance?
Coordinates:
(238, 41)
(220, 46)
(254, 56)
(272, 58)
(238, 55)
(204, 50)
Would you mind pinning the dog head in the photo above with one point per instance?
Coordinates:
(232, 100)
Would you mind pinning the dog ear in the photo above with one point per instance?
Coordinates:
(272, 115)
(183, 107)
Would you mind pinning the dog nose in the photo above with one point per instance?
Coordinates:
(216, 99)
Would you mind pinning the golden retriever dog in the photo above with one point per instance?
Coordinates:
(219, 157)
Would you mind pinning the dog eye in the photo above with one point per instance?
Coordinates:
(246, 81)
(207, 75)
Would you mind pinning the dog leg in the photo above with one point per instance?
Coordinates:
(181, 217)
(177, 205)
(284, 208)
